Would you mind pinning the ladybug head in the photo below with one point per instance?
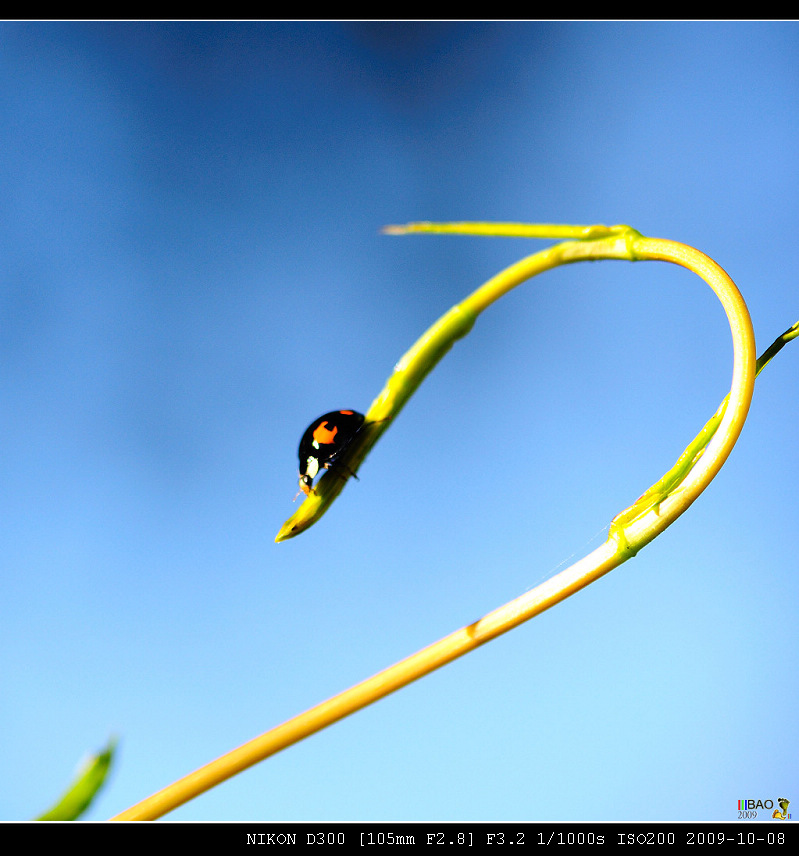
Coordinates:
(305, 484)
(308, 474)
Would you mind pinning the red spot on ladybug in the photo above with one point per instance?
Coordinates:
(324, 441)
(324, 435)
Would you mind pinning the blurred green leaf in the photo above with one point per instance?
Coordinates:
(89, 779)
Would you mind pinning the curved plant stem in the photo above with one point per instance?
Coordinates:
(631, 530)
(588, 243)
(417, 363)
(671, 482)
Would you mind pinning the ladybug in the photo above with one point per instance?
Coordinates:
(324, 441)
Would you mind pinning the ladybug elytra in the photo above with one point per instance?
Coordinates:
(324, 441)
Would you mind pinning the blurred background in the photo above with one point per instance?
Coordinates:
(192, 271)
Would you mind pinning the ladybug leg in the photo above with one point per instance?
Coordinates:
(339, 466)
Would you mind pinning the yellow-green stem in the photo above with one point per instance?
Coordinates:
(640, 524)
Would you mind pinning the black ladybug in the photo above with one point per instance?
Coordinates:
(324, 441)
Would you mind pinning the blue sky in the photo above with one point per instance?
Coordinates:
(192, 271)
